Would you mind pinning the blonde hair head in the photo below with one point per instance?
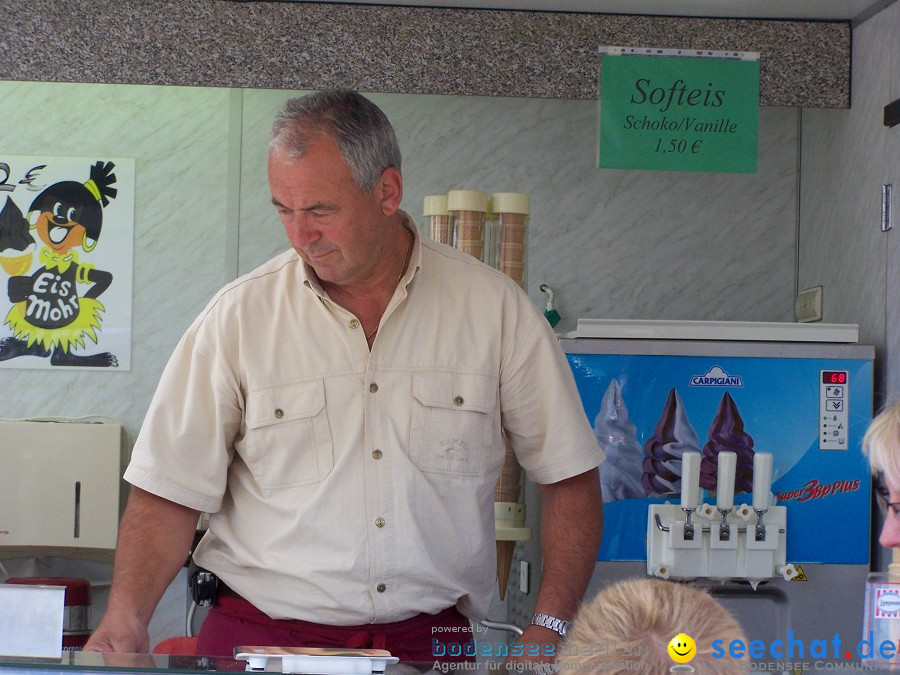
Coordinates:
(882, 444)
(627, 628)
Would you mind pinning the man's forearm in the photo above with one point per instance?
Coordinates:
(155, 538)
(571, 529)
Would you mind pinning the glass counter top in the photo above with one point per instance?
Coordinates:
(109, 663)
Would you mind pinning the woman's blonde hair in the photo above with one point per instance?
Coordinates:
(882, 444)
(627, 628)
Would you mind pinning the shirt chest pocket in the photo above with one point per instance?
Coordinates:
(288, 439)
(452, 429)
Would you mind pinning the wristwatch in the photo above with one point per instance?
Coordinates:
(553, 623)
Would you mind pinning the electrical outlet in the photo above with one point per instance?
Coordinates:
(808, 306)
(524, 576)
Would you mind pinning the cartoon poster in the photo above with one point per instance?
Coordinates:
(66, 242)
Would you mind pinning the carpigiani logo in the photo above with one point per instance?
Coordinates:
(716, 377)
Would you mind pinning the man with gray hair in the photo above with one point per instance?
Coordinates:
(340, 413)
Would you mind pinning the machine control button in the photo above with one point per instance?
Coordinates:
(834, 405)
(377, 454)
(373, 387)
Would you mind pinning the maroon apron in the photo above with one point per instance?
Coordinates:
(233, 621)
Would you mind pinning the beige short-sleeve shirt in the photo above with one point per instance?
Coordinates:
(347, 487)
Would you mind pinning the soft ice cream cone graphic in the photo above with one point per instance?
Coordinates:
(16, 266)
(620, 474)
(727, 434)
(663, 451)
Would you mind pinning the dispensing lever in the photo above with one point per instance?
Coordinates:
(762, 483)
(690, 489)
(727, 464)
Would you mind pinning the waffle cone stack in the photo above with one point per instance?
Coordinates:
(470, 233)
(468, 211)
(510, 212)
(511, 258)
(442, 229)
(441, 224)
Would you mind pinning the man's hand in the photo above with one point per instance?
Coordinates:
(119, 634)
(539, 645)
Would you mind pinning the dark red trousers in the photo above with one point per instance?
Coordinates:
(233, 621)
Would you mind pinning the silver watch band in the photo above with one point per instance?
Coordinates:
(553, 623)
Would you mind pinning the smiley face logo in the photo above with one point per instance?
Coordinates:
(682, 648)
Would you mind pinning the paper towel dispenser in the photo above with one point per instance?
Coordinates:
(61, 488)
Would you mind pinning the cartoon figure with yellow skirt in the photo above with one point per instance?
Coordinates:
(48, 317)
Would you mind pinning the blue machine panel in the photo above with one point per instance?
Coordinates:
(647, 409)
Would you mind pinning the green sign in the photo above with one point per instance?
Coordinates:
(679, 113)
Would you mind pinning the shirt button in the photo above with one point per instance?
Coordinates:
(379, 522)
(373, 387)
(377, 454)
(381, 588)
(458, 400)
(354, 323)
(279, 413)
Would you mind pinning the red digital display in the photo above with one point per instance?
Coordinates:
(834, 377)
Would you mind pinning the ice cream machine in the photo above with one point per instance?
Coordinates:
(733, 461)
